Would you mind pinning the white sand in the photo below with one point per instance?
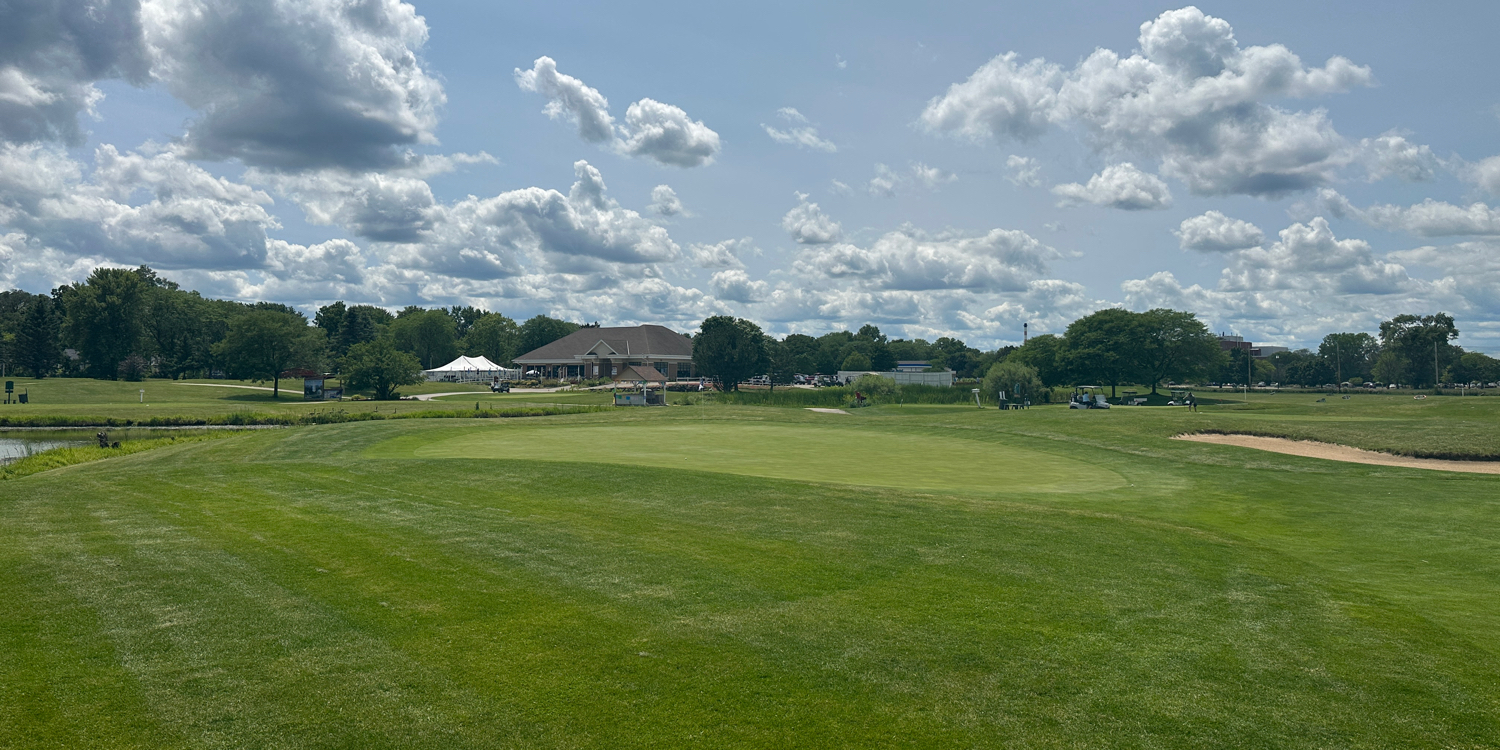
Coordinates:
(826, 411)
(1332, 452)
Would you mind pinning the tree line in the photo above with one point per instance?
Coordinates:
(132, 323)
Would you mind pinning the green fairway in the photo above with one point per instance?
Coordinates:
(841, 454)
(719, 576)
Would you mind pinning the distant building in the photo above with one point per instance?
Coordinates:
(1230, 343)
(942, 378)
(590, 353)
(912, 366)
(1263, 351)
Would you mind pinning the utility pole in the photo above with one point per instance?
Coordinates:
(1434, 366)
(1338, 364)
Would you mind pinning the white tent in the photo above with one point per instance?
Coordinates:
(471, 370)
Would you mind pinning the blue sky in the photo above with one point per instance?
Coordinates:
(1281, 169)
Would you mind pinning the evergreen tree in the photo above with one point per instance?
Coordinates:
(36, 339)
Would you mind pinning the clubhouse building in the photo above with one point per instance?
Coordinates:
(618, 353)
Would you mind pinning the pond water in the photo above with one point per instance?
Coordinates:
(17, 444)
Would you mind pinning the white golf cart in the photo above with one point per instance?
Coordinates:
(1088, 397)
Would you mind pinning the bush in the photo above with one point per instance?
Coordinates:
(1008, 376)
(132, 368)
(873, 386)
(855, 362)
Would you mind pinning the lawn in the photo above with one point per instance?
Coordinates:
(721, 576)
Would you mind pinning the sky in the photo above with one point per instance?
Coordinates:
(1283, 170)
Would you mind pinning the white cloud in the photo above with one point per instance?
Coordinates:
(1024, 171)
(910, 260)
(724, 254)
(1308, 257)
(1485, 174)
(736, 286)
(800, 134)
(666, 134)
(301, 85)
(664, 201)
(51, 54)
(569, 98)
(652, 129)
(1192, 98)
(1215, 232)
(808, 225)
(839, 62)
(887, 182)
(841, 188)
(1430, 218)
(1391, 155)
(1118, 186)
(1471, 270)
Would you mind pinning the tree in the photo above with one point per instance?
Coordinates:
(494, 336)
(429, 334)
(1349, 354)
(103, 318)
(265, 343)
(1173, 345)
(1044, 353)
(1473, 367)
(781, 363)
(730, 349)
(541, 330)
(380, 367)
(362, 324)
(1422, 344)
(330, 318)
(855, 362)
(1102, 347)
(1019, 380)
(465, 317)
(36, 339)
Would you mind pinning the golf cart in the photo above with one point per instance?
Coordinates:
(1088, 397)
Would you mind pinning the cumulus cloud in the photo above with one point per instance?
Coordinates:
(808, 225)
(910, 260)
(652, 129)
(51, 53)
(664, 201)
(1215, 232)
(1309, 257)
(736, 286)
(1471, 272)
(1118, 186)
(799, 133)
(1024, 171)
(724, 254)
(1485, 174)
(1430, 218)
(1391, 155)
(887, 181)
(297, 85)
(133, 208)
(1191, 98)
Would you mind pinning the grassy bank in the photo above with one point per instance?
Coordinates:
(58, 458)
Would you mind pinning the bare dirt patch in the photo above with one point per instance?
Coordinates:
(1332, 452)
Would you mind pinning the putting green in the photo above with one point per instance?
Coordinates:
(783, 451)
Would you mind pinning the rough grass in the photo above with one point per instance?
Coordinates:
(57, 458)
(312, 587)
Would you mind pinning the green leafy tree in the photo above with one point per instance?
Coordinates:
(464, 318)
(957, 356)
(36, 340)
(873, 344)
(781, 363)
(265, 343)
(730, 349)
(431, 335)
(104, 318)
(1420, 346)
(362, 324)
(1473, 367)
(541, 330)
(380, 367)
(494, 336)
(1349, 355)
(855, 362)
(1044, 353)
(1173, 345)
(1102, 347)
(1019, 381)
(330, 318)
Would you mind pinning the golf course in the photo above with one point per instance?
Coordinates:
(712, 575)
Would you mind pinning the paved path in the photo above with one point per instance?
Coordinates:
(483, 394)
(226, 385)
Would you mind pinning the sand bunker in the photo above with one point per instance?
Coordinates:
(826, 411)
(1333, 452)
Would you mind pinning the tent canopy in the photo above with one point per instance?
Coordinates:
(468, 364)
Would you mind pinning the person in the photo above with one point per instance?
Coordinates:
(1192, 402)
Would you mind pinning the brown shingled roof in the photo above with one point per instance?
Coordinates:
(645, 342)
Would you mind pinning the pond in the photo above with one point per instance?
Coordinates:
(18, 444)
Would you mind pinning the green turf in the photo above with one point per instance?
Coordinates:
(820, 453)
(434, 584)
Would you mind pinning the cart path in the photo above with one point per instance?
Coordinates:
(482, 394)
(1333, 452)
(226, 385)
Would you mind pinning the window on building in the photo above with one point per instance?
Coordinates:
(661, 367)
(684, 369)
(614, 370)
(596, 371)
